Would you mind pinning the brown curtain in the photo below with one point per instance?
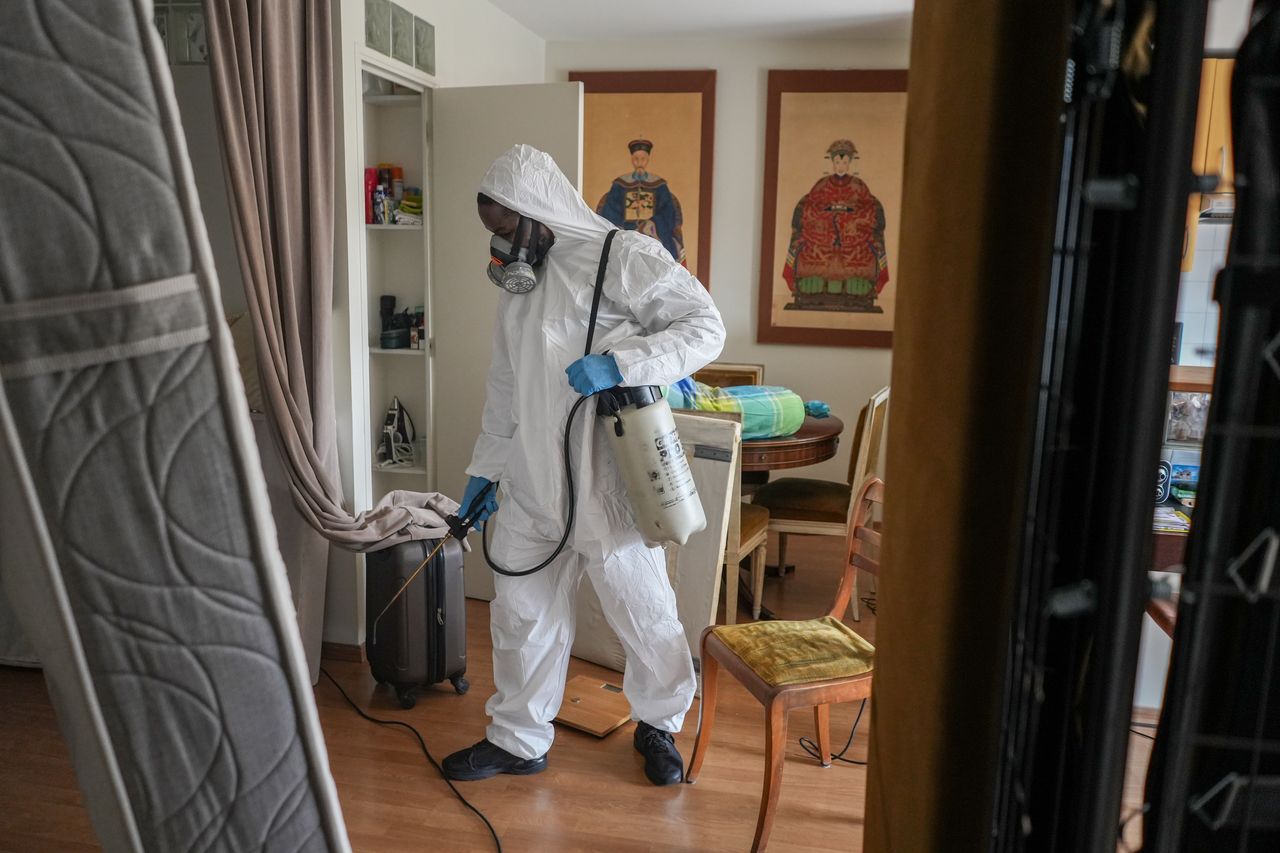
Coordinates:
(272, 68)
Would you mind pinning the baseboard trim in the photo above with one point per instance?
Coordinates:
(342, 652)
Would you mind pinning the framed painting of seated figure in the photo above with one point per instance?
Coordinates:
(648, 138)
(832, 198)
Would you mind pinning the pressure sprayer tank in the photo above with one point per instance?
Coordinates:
(646, 446)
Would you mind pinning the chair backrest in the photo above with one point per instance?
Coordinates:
(712, 442)
(724, 374)
(863, 542)
(867, 441)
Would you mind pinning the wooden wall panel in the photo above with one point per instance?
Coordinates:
(981, 169)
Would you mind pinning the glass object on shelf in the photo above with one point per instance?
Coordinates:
(1188, 414)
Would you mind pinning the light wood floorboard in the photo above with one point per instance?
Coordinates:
(593, 797)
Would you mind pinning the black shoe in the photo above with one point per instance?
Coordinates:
(485, 760)
(662, 762)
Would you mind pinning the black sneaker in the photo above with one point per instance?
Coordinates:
(662, 762)
(485, 760)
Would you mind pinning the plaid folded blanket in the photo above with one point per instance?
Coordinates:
(768, 411)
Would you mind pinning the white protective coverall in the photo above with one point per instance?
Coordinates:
(660, 325)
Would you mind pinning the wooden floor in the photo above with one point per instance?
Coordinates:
(593, 796)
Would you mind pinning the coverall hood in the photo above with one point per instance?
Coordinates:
(529, 182)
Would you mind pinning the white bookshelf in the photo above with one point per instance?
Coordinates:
(459, 130)
(395, 130)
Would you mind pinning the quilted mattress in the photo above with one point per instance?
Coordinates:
(136, 543)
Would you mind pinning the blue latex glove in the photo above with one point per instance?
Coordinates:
(817, 409)
(593, 373)
(475, 486)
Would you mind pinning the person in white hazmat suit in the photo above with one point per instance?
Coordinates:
(656, 325)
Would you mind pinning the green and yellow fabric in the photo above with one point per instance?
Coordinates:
(768, 411)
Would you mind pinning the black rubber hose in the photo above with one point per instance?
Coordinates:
(570, 514)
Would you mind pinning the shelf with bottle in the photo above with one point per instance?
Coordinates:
(388, 201)
(403, 331)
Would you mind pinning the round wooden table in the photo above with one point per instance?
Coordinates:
(817, 441)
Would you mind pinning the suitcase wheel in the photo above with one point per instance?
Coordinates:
(460, 684)
(406, 697)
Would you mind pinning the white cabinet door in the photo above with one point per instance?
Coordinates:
(470, 127)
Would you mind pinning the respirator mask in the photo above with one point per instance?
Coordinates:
(511, 263)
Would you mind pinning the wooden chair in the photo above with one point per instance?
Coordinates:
(815, 663)
(820, 507)
(748, 535)
(749, 525)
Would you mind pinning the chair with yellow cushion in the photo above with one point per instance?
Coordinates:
(795, 664)
(798, 505)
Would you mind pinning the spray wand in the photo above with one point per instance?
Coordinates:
(458, 529)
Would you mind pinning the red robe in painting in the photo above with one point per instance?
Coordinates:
(837, 233)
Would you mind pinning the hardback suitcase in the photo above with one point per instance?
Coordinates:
(422, 638)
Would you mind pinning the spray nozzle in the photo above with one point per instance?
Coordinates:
(459, 527)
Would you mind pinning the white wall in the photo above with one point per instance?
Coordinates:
(194, 92)
(1197, 312)
(476, 45)
(1227, 23)
(844, 377)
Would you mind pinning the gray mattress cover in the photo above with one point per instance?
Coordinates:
(139, 552)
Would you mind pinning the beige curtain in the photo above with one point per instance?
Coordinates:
(272, 68)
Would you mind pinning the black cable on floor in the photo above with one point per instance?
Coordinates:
(422, 743)
(812, 748)
(1141, 734)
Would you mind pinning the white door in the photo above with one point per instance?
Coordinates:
(470, 128)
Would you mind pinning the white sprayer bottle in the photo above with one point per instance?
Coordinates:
(647, 448)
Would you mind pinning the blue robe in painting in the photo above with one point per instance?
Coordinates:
(643, 202)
